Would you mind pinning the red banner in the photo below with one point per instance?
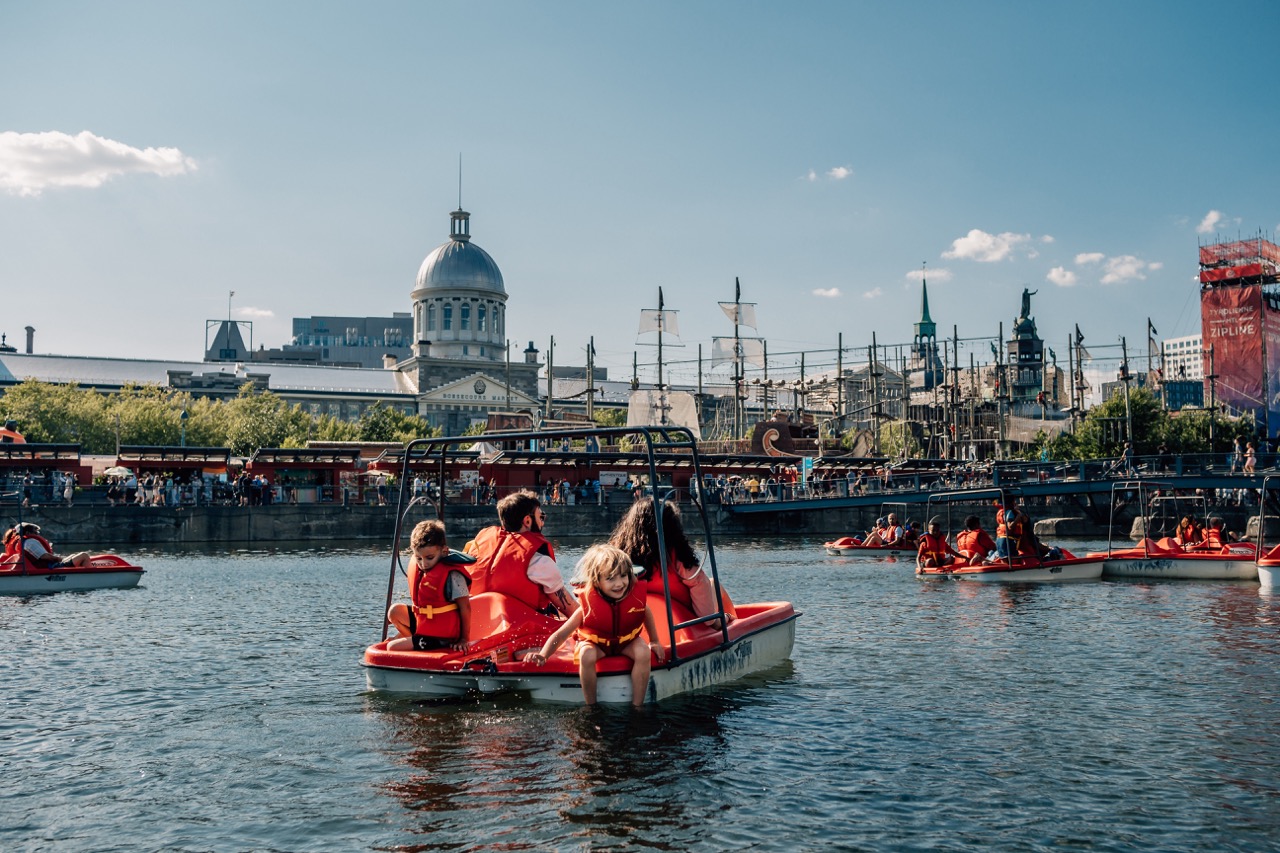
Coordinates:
(1231, 319)
(1229, 273)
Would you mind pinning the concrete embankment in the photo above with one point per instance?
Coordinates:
(106, 528)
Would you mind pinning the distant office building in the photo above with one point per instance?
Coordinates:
(1183, 359)
(1180, 393)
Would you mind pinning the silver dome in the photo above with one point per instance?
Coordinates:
(460, 263)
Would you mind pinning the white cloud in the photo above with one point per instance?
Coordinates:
(839, 173)
(255, 313)
(939, 274)
(1048, 238)
(1126, 268)
(988, 248)
(1062, 277)
(827, 292)
(873, 293)
(33, 162)
(812, 176)
(1089, 258)
(1210, 222)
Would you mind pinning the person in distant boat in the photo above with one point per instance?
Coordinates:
(935, 551)
(973, 542)
(439, 613)
(1013, 532)
(637, 536)
(613, 612)
(1189, 534)
(26, 538)
(1216, 537)
(887, 535)
(515, 559)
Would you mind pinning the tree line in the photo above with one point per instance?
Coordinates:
(151, 415)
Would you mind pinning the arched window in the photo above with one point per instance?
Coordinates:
(465, 316)
(446, 318)
(481, 315)
(497, 320)
(431, 318)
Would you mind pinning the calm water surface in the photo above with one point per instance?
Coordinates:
(220, 707)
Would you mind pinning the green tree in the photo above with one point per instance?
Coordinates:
(610, 417)
(382, 423)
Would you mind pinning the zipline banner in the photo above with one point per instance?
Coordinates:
(1231, 319)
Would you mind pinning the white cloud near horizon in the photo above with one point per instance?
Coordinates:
(30, 163)
(873, 293)
(1210, 222)
(1062, 277)
(1089, 258)
(839, 173)
(827, 292)
(980, 246)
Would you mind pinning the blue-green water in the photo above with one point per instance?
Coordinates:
(220, 707)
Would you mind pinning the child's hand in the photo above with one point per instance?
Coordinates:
(536, 658)
(659, 652)
(460, 646)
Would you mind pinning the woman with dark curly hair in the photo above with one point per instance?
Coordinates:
(637, 536)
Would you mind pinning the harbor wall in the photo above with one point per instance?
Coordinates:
(107, 528)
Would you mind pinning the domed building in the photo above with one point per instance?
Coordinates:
(460, 363)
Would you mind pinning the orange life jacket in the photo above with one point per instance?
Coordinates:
(502, 565)
(15, 543)
(434, 614)
(679, 589)
(974, 542)
(933, 545)
(613, 624)
(1213, 539)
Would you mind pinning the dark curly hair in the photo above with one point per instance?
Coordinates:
(637, 535)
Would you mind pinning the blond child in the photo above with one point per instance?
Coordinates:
(439, 615)
(608, 623)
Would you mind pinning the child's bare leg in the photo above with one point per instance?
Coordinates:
(588, 654)
(398, 616)
(638, 651)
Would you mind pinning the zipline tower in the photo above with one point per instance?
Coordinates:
(1240, 326)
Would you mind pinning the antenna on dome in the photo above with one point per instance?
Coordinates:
(459, 180)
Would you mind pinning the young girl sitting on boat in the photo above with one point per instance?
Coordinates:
(608, 623)
(439, 616)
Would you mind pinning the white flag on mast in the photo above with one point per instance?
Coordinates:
(749, 351)
(741, 313)
(653, 320)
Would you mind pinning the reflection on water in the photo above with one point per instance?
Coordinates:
(610, 775)
(220, 706)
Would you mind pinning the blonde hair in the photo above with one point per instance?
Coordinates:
(600, 561)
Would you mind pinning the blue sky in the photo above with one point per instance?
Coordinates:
(155, 156)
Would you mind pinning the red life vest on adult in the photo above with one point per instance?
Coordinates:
(502, 565)
(679, 589)
(613, 624)
(434, 614)
(933, 545)
(974, 542)
(1213, 539)
(15, 543)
